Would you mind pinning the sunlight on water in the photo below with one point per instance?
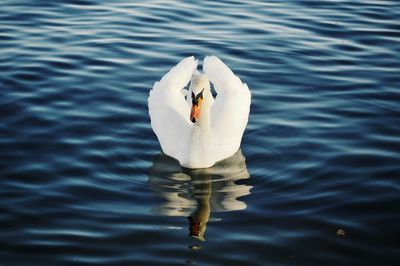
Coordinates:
(82, 178)
(196, 194)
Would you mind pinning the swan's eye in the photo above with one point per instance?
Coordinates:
(195, 100)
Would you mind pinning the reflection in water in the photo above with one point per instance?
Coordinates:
(195, 193)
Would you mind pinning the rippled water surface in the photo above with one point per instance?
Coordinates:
(316, 181)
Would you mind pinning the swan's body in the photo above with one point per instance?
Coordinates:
(200, 130)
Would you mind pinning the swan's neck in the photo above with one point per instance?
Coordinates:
(199, 142)
(204, 121)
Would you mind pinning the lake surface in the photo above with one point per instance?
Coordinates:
(82, 179)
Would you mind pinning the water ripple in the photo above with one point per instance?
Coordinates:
(82, 180)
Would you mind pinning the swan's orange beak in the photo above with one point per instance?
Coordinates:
(195, 112)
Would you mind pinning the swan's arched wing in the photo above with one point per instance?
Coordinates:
(169, 112)
(230, 110)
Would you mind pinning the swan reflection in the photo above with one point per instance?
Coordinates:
(195, 193)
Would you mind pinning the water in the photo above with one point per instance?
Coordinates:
(82, 180)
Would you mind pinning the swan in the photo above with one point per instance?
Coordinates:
(192, 126)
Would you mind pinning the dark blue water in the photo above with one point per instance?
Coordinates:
(316, 182)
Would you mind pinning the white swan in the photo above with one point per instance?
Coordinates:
(200, 130)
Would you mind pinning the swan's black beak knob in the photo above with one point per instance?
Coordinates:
(196, 103)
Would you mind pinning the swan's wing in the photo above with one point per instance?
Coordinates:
(169, 112)
(230, 110)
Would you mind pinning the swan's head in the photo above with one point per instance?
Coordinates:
(199, 85)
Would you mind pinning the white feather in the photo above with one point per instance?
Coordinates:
(218, 133)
